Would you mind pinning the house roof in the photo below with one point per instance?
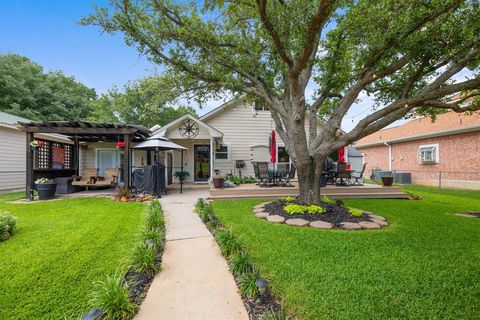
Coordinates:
(222, 107)
(214, 132)
(445, 124)
(11, 119)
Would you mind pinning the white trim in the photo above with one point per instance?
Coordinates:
(223, 106)
(423, 136)
(229, 153)
(193, 162)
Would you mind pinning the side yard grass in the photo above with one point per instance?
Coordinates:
(59, 249)
(423, 266)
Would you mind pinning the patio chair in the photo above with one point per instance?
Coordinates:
(263, 173)
(110, 179)
(88, 179)
(290, 176)
(255, 171)
(359, 176)
(343, 175)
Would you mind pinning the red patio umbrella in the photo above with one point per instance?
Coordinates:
(273, 147)
(341, 155)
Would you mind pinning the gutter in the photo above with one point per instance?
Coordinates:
(422, 136)
(389, 155)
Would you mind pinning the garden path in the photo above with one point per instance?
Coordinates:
(195, 282)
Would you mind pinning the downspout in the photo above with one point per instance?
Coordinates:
(389, 155)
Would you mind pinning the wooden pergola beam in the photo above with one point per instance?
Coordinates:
(79, 130)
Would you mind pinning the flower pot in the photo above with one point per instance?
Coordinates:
(218, 182)
(46, 191)
(387, 181)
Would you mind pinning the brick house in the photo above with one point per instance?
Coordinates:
(446, 151)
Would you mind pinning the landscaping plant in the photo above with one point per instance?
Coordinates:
(227, 242)
(111, 295)
(248, 285)
(8, 224)
(355, 212)
(145, 259)
(240, 263)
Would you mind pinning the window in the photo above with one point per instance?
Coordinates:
(283, 156)
(428, 153)
(222, 152)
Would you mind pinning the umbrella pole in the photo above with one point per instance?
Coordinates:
(181, 173)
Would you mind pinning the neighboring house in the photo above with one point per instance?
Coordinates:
(12, 152)
(450, 145)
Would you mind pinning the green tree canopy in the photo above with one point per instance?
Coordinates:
(25, 90)
(407, 54)
(141, 102)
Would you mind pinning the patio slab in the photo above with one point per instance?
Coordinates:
(195, 281)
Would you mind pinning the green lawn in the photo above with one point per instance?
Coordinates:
(60, 248)
(425, 265)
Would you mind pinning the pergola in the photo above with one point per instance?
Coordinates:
(81, 131)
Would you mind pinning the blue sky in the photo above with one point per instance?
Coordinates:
(47, 32)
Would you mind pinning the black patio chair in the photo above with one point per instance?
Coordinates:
(290, 176)
(360, 175)
(343, 175)
(263, 173)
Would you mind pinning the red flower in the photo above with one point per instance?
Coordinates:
(120, 145)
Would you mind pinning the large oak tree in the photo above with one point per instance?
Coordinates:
(406, 54)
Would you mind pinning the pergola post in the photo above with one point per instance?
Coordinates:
(126, 159)
(29, 166)
(181, 170)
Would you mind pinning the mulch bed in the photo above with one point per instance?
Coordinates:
(140, 282)
(335, 214)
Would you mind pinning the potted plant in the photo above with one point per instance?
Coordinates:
(46, 188)
(181, 175)
(218, 181)
(387, 181)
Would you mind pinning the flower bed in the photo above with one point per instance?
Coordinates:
(330, 214)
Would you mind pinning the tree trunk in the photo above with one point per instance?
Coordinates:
(309, 174)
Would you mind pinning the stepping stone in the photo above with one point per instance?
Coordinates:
(382, 223)
(276, 218)
(321, 225)
(350, 226)
(258, 206)
(297, 222)
(374, 216)
(261, 215)
(465, 215)
(257, 210)
(369, 225)
(263, 204)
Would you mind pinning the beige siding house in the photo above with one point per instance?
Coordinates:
(12, 152)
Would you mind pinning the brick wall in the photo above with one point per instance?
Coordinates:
(459, 157)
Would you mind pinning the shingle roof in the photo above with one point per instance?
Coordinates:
(11, 119)
(417, 127)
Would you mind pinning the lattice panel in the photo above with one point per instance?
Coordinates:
(43, 156)
(53, 155)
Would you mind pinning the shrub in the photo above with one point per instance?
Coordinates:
(235, 180)
(155, 217)
(355, 212)
(155, 234)
(247, 284)
(199, 205)
(299, 209)
(144, 259)
(205, 213)
(272, 315)
(227, 242)
(213, 224)
(112, 296)
(248, 180)
(240, 263)
(288, 199)
(328, 200)
(8, 224)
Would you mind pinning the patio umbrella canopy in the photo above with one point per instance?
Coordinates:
(273, 147)
(341, 155)
(159, 143)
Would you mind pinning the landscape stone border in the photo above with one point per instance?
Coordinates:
(469, 214)
(376, 221)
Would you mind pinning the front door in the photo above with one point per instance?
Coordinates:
(201, 160)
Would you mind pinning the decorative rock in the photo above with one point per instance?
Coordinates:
(375, 217)
(264, 203)
(350, 226)
(465, 215)
(258, 207)
(381, 223)
(261, 214)
(297, 222)
(257, 210)
(369, 225)
(321, 225)
(276, 218)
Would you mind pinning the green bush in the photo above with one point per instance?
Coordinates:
(8, 224)
(112, 296)
(199, 205)
(205, 213)
(288, 199)
(155, 234)
(240, 263)
(355, 212)
(299, 209)
(328, 200)
(248, 180)
(227, 242)
(247, 284)
(235, 180)
(155, 218)
(144, 259)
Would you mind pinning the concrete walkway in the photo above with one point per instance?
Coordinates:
(195, 282)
